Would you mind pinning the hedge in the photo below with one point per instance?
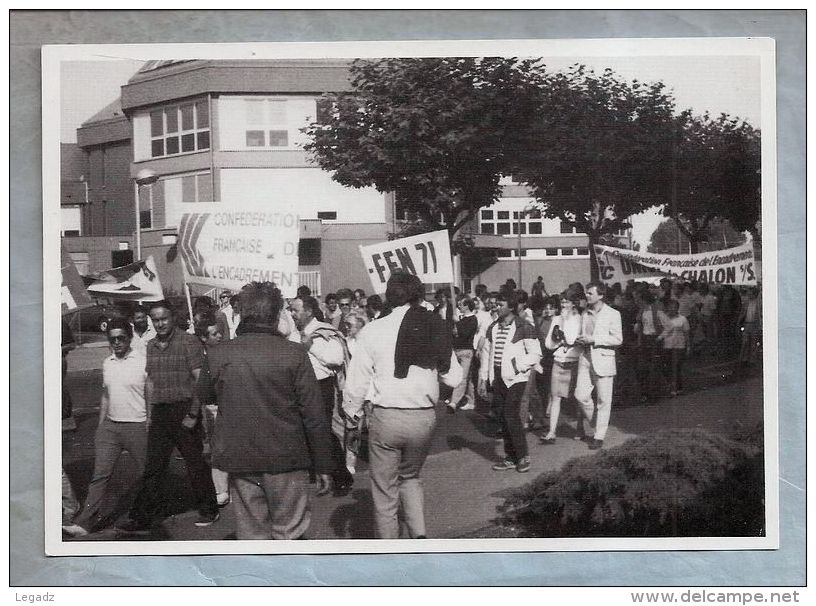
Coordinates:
(670, 483)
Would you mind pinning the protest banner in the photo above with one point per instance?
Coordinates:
(228, 245)
(137, 281)
(731, 266)
(426, 256)
(74, 295)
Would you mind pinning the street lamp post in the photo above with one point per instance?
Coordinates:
(143, 177)
(522, 213)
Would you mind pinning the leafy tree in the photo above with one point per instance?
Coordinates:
(669, 239)
(592, 156)
(434, 131)
(716, 173)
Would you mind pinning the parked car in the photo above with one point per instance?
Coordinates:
(96, 318)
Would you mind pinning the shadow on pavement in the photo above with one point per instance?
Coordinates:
(354, 520)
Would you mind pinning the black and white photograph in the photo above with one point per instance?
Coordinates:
(437, 296)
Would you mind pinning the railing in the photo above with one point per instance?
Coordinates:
(312, 280)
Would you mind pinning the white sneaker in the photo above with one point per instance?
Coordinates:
(469, 406)
(75, 530)
(223, 499)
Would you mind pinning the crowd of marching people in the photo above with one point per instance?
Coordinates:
(266, 398)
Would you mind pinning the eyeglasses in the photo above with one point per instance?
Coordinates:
(118, 339)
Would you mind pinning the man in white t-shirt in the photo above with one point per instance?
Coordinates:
(123, 419)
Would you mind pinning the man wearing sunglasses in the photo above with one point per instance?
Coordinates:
(123, 420)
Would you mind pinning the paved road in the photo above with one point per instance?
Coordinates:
(462, 492)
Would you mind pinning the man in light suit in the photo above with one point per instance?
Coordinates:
(601, 333)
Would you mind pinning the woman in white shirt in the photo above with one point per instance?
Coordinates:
(560, 339)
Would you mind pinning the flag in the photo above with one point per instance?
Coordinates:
(74, 294)
(138, 281)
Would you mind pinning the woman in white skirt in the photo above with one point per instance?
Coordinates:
(560, 339)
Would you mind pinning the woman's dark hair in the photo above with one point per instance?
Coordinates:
(330, 297)
(536, 303)
(359, 290)
(261, 303)
(572, 294)
(120, 324)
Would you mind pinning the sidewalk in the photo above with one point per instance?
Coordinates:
(461, 490)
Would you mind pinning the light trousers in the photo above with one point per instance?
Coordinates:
(271, 506)
(587, 380)
(465, 387)
(398, 444)
(112, 438)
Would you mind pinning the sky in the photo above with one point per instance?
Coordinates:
(713, 83)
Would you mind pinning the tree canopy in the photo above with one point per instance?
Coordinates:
(435, 131)
(670, 240)
(594, 152)
(716, 174)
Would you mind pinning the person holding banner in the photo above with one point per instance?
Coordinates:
(404, 354)
(601, 333)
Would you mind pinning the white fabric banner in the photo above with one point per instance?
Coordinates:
(426, 255)
(228, 245)
(730, 266)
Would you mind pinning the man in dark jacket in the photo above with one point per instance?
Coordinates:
(271, 432)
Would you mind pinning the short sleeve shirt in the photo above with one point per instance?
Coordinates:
(171, 369)
(124, 380)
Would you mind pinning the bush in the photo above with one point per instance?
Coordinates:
(671, 483)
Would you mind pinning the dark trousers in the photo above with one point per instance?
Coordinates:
(673, 367)
(649, 355)
(341, 475)
(509, 402)
(166, 431)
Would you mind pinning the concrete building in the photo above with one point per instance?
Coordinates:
(229, 131)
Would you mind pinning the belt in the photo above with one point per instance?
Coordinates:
(395, 408)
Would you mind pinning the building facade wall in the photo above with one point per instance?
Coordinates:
(557, 274)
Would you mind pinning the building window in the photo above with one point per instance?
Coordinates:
(506, 222)
(70, 221)
(566, 252)
(180, 129)
(266, 124)
(146, 206)
(196, 188)
(551, 252)
(582, 252)
(567, 228)
(309, 251)
(327, 215)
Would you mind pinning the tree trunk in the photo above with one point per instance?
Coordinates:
(694, 246)
(594, 274)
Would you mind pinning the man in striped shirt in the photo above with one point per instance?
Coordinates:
(513, 350)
